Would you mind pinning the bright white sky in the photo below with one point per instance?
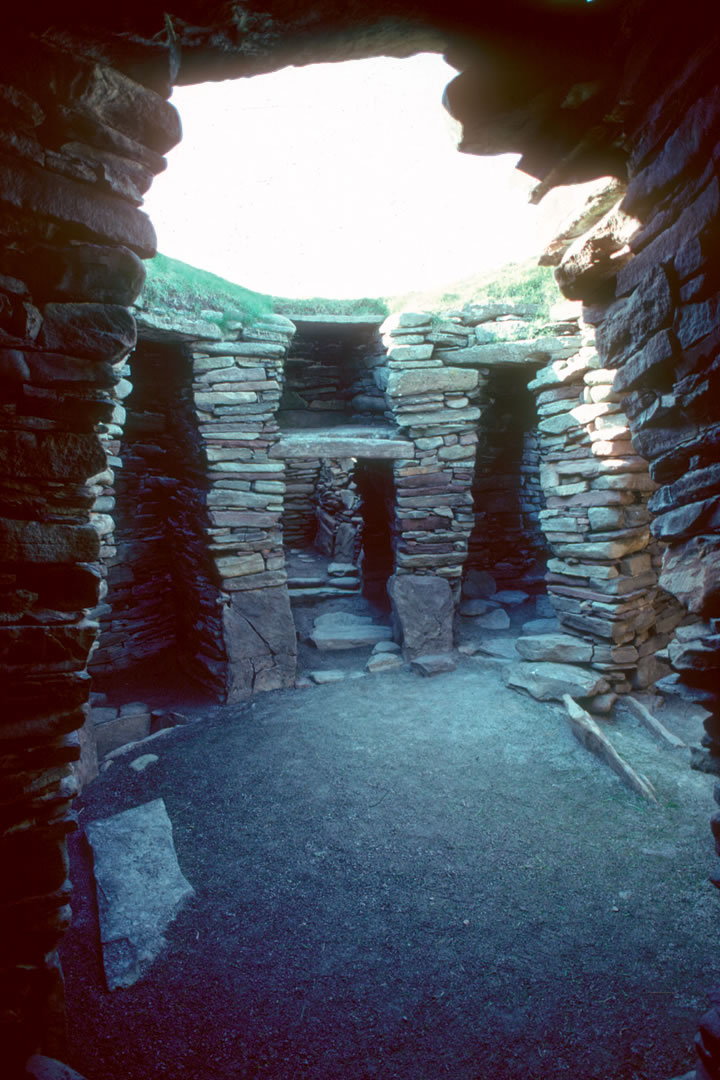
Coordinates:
(340, 180)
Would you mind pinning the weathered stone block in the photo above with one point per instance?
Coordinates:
(140, 888)
(555, 647)
(549, 681)
(58, 647)
(229, 566)
(629, 323)
(51, 455)
(691, 572)
(423, 613)
(694, 321)
(35, 191)
(84, 272)
(430, 665)
(115, 728)
(405, 320)
(47, 542)
(341, 630)
(688, 520)
(406, 383)
(410, 352)
(260, 642)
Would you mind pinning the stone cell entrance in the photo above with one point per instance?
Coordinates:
(375, 484)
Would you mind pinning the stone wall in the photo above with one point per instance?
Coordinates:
(82, 136)
(80, 144)
(138, 615)
(299, 520)
(198, 502)
(507, 540)
(648, 272)
(236, 392)
(603, 571)
(329, 372)
(435, 405)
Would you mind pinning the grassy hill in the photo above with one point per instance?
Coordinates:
(181, 287)
(524, 281)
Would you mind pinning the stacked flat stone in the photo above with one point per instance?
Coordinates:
(338, 511)
(507, 540)
(82, 144)
(299, 520)
(329, 380)
(435, 404)
(503, 342)
(602, 576)
(137, 617)
(326, 514)
(236, 393)
(199, 505)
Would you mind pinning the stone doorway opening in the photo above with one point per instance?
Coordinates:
(338, 529)
(376, 487)
(329, 373)
(158, 614)
(507, 540)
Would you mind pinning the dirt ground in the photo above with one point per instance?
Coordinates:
(402, 877)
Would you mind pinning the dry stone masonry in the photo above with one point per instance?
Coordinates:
(603, 573)
(628, 91)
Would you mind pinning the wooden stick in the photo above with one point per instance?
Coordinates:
(587, 732)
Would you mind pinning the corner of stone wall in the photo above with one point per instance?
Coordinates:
(236, 392)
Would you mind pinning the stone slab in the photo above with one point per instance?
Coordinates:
(260, 642)
(113, 730)
(351, 635)
(555, 647)
(550, 681)
(433, 665)
(591, 736)
(499, 648)
(140, 888)
(423, 613)
(493, 620)
(474, 606)
(383, 661)
(342, 444)
(511, 597)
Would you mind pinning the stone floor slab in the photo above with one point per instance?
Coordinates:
(140, 888)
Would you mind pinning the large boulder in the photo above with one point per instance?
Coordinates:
(423, 612)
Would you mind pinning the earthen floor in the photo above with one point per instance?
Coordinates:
(399, 877)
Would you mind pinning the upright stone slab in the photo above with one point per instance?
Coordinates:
(423, 612)
(260, 641)
(140, 888)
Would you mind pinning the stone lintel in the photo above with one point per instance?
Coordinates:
(341, 444)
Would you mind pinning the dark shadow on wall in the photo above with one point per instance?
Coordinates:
(374, 480)
(506, 539)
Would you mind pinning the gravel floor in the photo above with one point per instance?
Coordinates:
(399, 877)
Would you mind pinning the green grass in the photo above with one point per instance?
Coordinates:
(323, 305)
(178, 286)
(524, 282)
